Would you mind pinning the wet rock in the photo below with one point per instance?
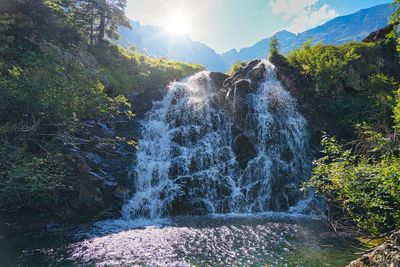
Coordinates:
(386, 255)
(218, 79)
(99, 178)
(241, 74)
(242, 88)
(286, 154)
(291, 79)
(184, 205)
(293, 194)
(142, 100)
(279, 202)
(244, 149)
(257, 74)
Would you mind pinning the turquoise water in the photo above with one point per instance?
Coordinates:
(230, 240)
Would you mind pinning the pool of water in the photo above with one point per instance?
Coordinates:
(229, 240)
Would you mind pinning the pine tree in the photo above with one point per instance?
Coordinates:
(99, 19)
(274, 46)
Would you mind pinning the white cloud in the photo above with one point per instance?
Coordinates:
(290, 8)
(303, 14)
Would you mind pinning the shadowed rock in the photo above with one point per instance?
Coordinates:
(380, 34)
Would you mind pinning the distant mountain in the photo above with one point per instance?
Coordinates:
(156, 42)
(340, 30)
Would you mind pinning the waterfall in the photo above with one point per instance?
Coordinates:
(188, 160)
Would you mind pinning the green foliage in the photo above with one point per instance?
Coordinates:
(355, 88)
(50, 91)
(50, 18)
(368, 189)
(395, 18)
(29, 180)
(129, 71)
(274, 46)
(349, 83)
(44, 95)
(48, 86)
(326, 64)
(236, 66)
(396, 112)
(99, 19)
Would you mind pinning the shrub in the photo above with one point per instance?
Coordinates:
(43, 99)
(236, 66)
(349, 83)
(368, 190)
(28, 180)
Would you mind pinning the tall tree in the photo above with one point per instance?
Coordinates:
(274, 46)
(99, 19)
(26, 18)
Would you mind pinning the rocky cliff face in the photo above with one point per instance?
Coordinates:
(99, 158)
(98, 161)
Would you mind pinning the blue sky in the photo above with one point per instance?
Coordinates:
(226, 24)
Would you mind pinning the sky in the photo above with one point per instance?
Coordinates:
(223, 24)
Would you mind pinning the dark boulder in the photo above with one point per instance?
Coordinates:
(243, 87)
(290, 77)
(184, 205)
(380, 34)
(244, 148)
(218, 79)
(241, 74)
(257, 74)
(142, 100)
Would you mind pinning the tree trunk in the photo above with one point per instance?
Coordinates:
(92, 29)
(102, 29)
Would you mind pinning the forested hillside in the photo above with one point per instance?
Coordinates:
(57, 70)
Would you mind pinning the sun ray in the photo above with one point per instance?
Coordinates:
(177, 24)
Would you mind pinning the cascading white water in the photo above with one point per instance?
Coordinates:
(187, 164)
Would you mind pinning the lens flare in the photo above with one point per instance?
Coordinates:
(177, 24)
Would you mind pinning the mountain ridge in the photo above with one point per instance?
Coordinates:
(342, 29)
(156, 42)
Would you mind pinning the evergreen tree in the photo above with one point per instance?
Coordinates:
(273, 46)
(99, 19)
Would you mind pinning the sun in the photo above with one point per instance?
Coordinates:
(177, 24)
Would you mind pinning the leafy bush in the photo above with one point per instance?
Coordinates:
(367, 189)
(29, 180)
(355, 88)
(236, 66)
(326, 64)
(44, 95)
(350, 84)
